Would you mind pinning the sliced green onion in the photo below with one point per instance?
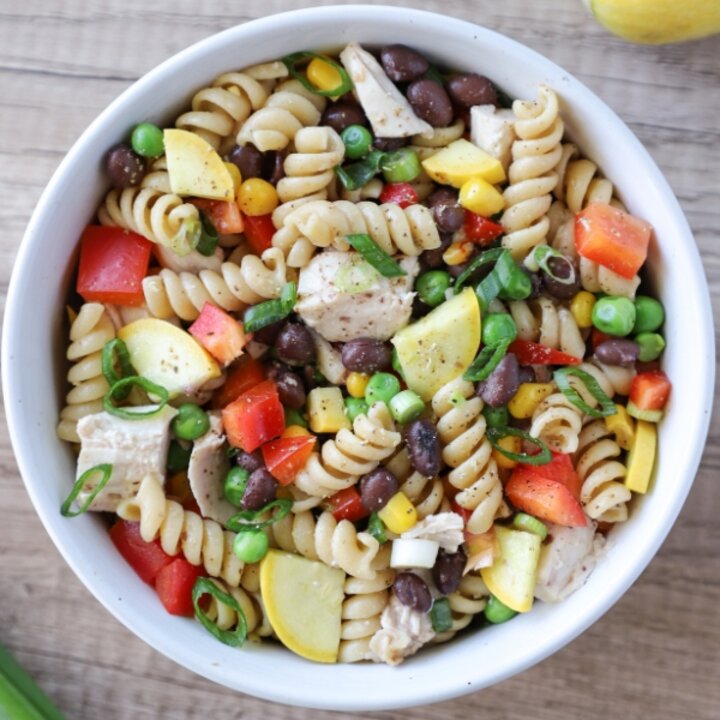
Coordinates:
(562, 380)
(515, 284)
(234, 638)
(406, 406)
(111, 349)
(116, 392)
(488, 359)
(292, 61)
(356, 277)
(528, 523)
(497, 612)
(178, 457)
(248, 519)
(187, 237)
(647, 415)
(271, 311)
(376, 527)
(106, 470)
(542, 458)
(441, 615)
(483, 259)
(487, 290)
(539, 259)
(375, 255)
(208, 240)
(496, 416)
(400, 166)
(356, 175)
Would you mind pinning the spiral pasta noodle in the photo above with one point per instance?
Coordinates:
(89, 332)
(201, 541)
(250, 603)
(557, 422)
(461, 427)
(613, 379)
(426, 494)
(467, 601)
(532, 175)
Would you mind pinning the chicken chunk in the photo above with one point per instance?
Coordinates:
(493, 131)
(403, 632)
(446, 529)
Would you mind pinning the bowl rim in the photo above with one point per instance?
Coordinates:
(450, 687)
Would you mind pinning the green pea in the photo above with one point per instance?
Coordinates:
(497, 328)
(649, 314)
(496, 417)
(234, 486)
(251, 546)
(147, 140)
(382, 387)
(178, 457)
(431, 286)
(190, 423)
(402, 165)
(614, 315)
(355, 407)
(651, 346)
(357, 140)
(497, 612)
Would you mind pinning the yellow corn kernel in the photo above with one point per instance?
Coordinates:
(234, 171)
(323, 75)
(178, 486)
(623, 426)
(356, 383)
(257, 197)
(326, 410)
(511, 443)
(399, 514)
(527, 398)
(458, 253)
(581, 307)
(481, 197)
(292, 431)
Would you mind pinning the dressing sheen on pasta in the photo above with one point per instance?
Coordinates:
(411, 364)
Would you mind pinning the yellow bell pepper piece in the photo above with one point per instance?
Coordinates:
(623, 426)
(458, 253)
(323, 75)
(479, 196)
(399, 514)
(326, 410)
(511, 443)
(581, 307)
(460, 161)
(641, 459)
(356, 383)
(527, 398)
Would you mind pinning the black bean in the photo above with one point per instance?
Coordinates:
(423, 444)
(269, 334)
(442, 196)
(542, 374)
(366, 355)
(294, 345)
(434, 258)
(273, 167)
(124, 167)
(289, 385)
(376, 489)
(448, 570)
(430, 102)
(389, 144)
(449, 216)
(562, 268)
(526, 374)
(617, 351)
(342, 114)
(309, 377)
(503, 382)
(471, 89)
(250, 461)
(411, 590)
(403, 64)
(259, 491)
(248, 159)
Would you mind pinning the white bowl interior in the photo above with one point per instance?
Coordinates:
(33, 381)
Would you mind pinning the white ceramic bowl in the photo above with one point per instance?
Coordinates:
(33, 374)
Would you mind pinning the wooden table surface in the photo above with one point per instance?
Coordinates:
(656, 654)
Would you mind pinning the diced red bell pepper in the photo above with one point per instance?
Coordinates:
(544, 498)
(480, 230)
(221, 335)
(147, 559)
(174, 584)
(613, 238)
(259, 230)
(401, 193)
(347, 505)
(113, 263)
(224, 215)
(560, 468)
(532, 353)
(286, 456)
(650, 390)
(256, 417)
(246, 373)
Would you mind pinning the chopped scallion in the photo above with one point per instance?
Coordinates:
(494, 435)
(528, 523)
(483, 259)
(208, 240)
(234, 638)
(80, 483)
(117, 391)
(562, 380)
(249, 519)
(271, 311)
(540, 259)
(114, 353)
(406, 406)
(486, 361)
(358, 174)
(376, 527)
(441, 615)
(375, 255)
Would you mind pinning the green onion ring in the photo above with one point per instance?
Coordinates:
(247, 519)
(483, 259)
(539, 259)
(488, 359)
(562, 380)
(116, 393)
(234, 638)
(271, 311)
(111, 349)
(496, 434)
(293, 60)
(106, 470)
(375, 255)
(208, 240)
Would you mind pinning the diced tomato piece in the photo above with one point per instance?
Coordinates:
(256, 417)
(286, 456)
(347, 505)
(224, 215)
(245, 374)
(650, 390)
(532, 353)
(560, 468)
(259, 230)
(113, 263)
(174, 584)
(480, 230)
(544, 498)
(613, 238)
(597, 337)
(400, 193)
(147, 559)
(221, 335)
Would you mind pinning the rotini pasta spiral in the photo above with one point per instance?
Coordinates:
(89, 332)
(532, 178)
(603, 495)
(426, 494)
(613, 379)
(467, 601)
(250, 603)
(201, 541)
(169, 294)
(461, 427)
(289, 108)
(557, 422)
